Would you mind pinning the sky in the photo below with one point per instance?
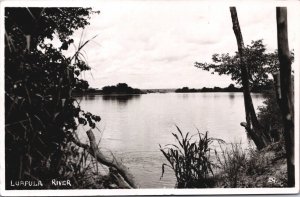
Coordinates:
(154, 44)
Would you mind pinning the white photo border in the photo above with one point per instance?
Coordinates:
(108, 192)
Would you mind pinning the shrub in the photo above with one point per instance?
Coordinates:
(232, 163)
(270, 117)
(190, 160)
(256, 162)
(40, 113)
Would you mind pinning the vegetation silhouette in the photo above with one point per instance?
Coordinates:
(230, 88)
(41, 115)
(121, 99)
(121, 88)
(190, 159)
(251, 67)
(255, 71)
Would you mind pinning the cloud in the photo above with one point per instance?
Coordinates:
(154, 44)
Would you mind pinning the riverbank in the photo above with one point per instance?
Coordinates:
(264, 168)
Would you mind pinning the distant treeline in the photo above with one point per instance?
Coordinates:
(120, 88)
(123, 88)
(230, 88)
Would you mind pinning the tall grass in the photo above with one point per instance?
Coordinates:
(232, 164)
(190, 160)
(249, 167)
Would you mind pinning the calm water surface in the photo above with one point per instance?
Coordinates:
(132, 127)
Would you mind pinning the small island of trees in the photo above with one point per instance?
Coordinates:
(121, 88)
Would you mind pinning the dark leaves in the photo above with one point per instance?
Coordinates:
(39, 79)
(190, 160)
(260, 64)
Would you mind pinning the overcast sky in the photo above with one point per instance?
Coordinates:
(154, 44)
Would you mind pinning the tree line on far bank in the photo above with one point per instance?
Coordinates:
(123, 88)
(230, 88)
(120, 88)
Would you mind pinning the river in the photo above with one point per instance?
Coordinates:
(133, 126)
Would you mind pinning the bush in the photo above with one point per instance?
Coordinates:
(190, 160)
(270, 117)
(232, 163)
(249, 167)
(256, 163)
(40, 114)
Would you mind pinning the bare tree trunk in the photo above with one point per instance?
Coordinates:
(252, 125)
(106, 160)
(122, 184)
(286, 102)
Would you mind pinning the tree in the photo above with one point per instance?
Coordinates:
(285, 93)
(252, 126)
(245, 68)
(260, 64)
(121, 88)
(260, 67)
(270, 117)
(41, 116)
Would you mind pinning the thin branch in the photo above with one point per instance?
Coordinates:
(101, 158)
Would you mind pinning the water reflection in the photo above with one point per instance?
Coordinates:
(90, 97)
(121, 99)
(257, 95)
(231, 95)
(135, 125)
(185, 96)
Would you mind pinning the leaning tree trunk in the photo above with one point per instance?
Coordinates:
(252, 125)
(285, 99)
(125, 175)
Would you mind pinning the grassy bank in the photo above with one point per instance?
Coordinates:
(198, 163)
(251, 168)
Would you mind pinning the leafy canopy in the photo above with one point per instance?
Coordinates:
(260, 64)
(40, 113)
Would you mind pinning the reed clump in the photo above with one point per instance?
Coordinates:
(232, 162)
(190, 160)
(198, 163)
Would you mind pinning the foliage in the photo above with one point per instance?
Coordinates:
(190, 160)
(260, 64)
(232, 162)
(45, 22)
(270, 117)
(80, 168)
(251, 168)
(120, 88)
(256, 164)
(232, 166)
(185, 89)
(230, 88)
(40, 114)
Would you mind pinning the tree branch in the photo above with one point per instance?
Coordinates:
(103, 159)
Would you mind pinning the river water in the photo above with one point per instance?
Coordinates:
(133, 126)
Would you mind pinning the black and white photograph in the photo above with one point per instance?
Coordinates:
(149, 97)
